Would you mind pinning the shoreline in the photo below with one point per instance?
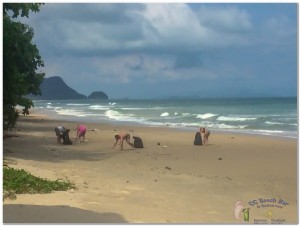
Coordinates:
(174, 182)
(137, 124)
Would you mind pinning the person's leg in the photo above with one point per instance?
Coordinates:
(121, 144)
(206, 140)
(83, 135)
(57, 135)
(128, 141)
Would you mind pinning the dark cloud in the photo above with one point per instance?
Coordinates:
(192, 60)
(137, 66)
(93, 44)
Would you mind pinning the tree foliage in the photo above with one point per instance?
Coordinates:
(21, 60)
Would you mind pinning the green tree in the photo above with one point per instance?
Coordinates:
(21, 60)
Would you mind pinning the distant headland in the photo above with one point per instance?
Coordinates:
(54, 88)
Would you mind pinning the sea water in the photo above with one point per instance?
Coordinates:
(262, 116)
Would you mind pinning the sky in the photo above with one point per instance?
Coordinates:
(148, 51)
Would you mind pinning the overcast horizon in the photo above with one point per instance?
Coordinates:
(140, 51)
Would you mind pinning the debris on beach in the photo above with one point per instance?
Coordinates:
(168, 168)
(220, 159)
(94, 130)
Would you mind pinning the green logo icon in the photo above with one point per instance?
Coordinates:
(246, 212)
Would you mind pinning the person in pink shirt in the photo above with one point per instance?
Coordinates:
(81, 130)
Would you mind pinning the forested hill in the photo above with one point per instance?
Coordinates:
(54, 88)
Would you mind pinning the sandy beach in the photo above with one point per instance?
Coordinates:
(174, 182)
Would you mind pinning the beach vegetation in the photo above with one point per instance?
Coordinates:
(19, 181)
(21, 60)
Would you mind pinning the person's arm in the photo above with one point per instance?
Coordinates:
(115, 143)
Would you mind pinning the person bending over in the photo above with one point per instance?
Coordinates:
(81, 131)
(60, 133)
(120, 138)
(206, 134)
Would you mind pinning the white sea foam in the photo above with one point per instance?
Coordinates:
(112, 114)
(71, 113)
(268, 131)
(164, 114)
(234, 119)
(134, 109)
(274, 123)
(225, 126)
(112, 104)
(205, 116)
(98, 107)
(71, 104)
(186, 114)
(192, 124)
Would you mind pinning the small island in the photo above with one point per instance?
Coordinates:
(98, 95)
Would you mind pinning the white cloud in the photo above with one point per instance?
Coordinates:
(228, 19)
(113, 28)
(151, 43)
(173, 25)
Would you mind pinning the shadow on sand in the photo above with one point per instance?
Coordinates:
(16, 213)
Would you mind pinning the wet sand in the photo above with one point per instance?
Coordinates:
(174, 182)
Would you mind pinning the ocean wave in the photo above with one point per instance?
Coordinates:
(70, 112)
(281, 123)
(186, 114)
(225, 126)
(205, 116)
(164, 114)
(98, 107)
(274, 123)
(234, 119)
(133, 109)
(71, 104)
(112, 114)
(268, 131)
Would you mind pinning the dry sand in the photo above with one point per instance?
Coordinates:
(174, 182)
